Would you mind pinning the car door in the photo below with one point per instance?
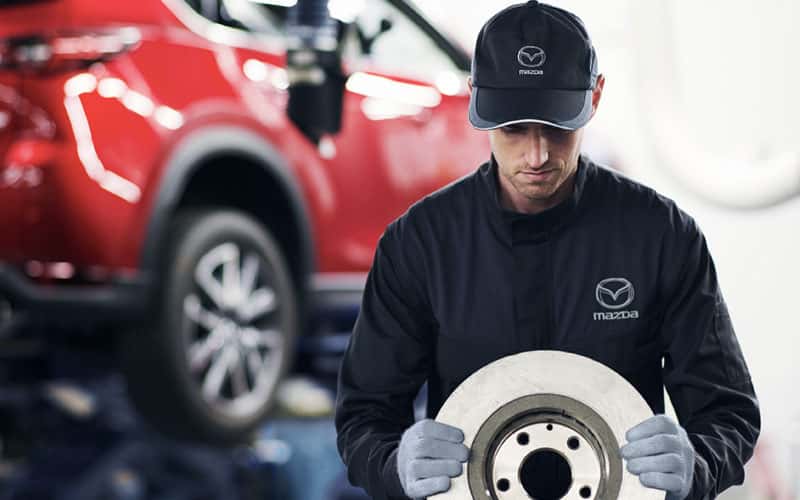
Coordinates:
(405, 130)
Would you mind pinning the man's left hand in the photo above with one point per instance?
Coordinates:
(660, 453)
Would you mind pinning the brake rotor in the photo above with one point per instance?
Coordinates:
(545, 425)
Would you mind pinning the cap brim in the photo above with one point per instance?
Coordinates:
(491, 108)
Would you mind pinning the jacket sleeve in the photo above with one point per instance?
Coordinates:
(384, 366)
(705, 372)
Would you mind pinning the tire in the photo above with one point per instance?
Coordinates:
(223, 335)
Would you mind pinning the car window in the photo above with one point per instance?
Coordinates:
(384, 38)
(380, 37)
(246, 15)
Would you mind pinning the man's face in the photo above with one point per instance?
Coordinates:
(535, 160)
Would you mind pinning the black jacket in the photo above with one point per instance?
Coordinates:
(457, 282)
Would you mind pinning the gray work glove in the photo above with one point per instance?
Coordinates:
(660, 453)
(430, 453)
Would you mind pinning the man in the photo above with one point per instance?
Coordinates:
(541, 248)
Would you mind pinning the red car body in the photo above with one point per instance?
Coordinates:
(89, 172)
(116, 116)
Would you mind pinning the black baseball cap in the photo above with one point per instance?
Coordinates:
(533, 63)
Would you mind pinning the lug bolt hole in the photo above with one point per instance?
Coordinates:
(503, 485)
(549, 427)
(586, 492)
(573, 443)
(522, 438)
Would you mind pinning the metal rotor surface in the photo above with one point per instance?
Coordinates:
(545, 418)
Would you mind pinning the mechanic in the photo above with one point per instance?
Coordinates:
(541, 248)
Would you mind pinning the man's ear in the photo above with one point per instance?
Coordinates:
(598, 93)
(469, 84)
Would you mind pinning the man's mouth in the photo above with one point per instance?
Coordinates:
(537, 174)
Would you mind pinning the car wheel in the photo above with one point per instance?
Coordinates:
(207, 367)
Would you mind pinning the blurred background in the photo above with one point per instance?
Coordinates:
(191, 193)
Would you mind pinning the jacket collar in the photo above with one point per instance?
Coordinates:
(512, 227)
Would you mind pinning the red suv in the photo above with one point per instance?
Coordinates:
(152, 185)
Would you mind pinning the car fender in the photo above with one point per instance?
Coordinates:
(189, 154)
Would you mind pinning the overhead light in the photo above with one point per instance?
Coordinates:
(345, 10)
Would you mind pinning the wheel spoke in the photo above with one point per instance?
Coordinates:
(260, 302)
(212, 385)
(204, 273)
(255, 363)
(249, 274)
(238, 376)
(230, 277)
(195, 311)
(271, 339)
(201, 351)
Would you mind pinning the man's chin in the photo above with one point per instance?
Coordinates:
(536, 194)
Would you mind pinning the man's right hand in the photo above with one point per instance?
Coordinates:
(430, 453)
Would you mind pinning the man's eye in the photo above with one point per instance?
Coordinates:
(558, 133)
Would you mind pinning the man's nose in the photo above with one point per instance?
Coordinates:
(536, 153)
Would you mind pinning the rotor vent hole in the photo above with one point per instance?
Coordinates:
(503, 484)
(545, 475)
(523, 438)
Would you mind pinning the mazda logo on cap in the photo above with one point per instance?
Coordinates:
(531, 56)
(614, 293)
